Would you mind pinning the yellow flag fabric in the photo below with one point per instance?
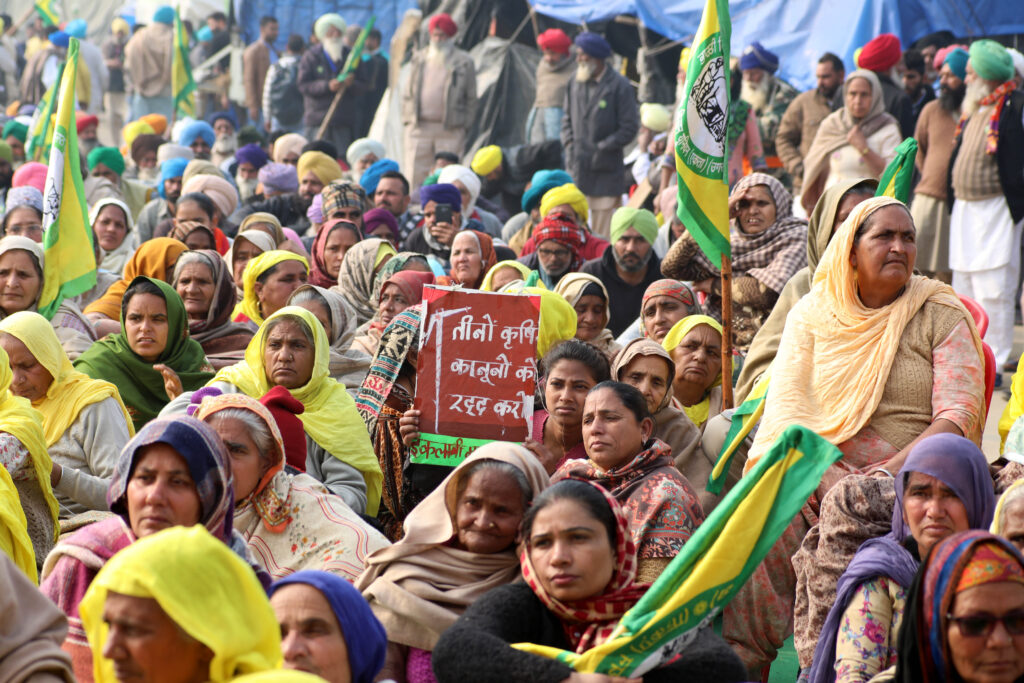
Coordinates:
(41, 129)
(14, 539)
(744, 418)
(47, 11)
(183, 86)
(899, 174)
(70, 263)
(702, 155)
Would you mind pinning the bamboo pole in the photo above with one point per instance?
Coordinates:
(726, 332)
(326, 123)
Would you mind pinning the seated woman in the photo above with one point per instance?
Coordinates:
(472, 256)
(23, 213)
(768, 248)
(1008, 521)
(179, 606)
(695, 344)
(204, 284)
(174, 472)
(873, 359)
(857, 141)
(834, 207)
(331, 244)
(347, 365)
(579, 571)
(327, 628)
(359, 270)
(963, 614)
(248, 245)
(589, 298)
(153, 359)
(196, 222)
(268, 224)
(399, 292)
(665, 303)
(269, 279)
(505, 272)
(85, 424)
(943, 488)
(291, 350)
(21, 285)
(290, 522)
(112, 224)
(459, 543)
(637, 469)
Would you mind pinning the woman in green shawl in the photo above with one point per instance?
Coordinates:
(153, 359)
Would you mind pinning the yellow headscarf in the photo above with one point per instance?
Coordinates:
(698, 412)
(250, 305)
(322, 166)
(14, 538)
(565, 194)
(204, 587)
(835, 352)
(1010, 494)
(385, 250)
(330, 417)
(557, 317)
(71, 390)
(488, 284)
(18, 419)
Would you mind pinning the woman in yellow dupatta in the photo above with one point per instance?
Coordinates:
(85, 423)
(14, 539)
(267, 284)
(695, 344)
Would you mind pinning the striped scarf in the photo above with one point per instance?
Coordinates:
(999, 96)
(396, 342)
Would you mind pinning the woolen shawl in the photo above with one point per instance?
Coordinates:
(356, 279)
(217, 334)
(347, 365)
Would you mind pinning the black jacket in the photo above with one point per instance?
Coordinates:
(897, 103)
(625, 298)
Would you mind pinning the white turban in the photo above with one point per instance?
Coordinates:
(466, 176)
(325, 22)
(1018, 61)
(360, 148)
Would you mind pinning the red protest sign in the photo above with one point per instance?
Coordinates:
(476, 372)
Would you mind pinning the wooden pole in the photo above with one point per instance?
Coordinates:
(330, 113)
(726, 333)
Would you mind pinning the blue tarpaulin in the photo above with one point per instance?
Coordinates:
(800, 31)
(298, 17)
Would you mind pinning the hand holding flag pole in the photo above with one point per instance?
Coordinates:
(351, 64)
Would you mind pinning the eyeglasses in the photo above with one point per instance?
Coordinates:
(554, 253)
(982, 625)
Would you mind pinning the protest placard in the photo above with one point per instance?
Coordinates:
(476, 372)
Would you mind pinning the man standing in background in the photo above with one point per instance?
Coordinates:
(256, 60)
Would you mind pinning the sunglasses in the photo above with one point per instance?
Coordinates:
(981, 626)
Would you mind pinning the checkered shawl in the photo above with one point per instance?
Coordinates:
(395, 344)
(590, 622)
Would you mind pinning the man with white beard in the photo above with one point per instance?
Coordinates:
(318, 83)
(438, 100)
(987, 191)
(251, 158)
(225, 128)
(769, 96)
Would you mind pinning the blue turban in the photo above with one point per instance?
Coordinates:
(164, 15)
(252, 154)
(365, 638)
(60, 39)
(541, 182)
(594, 45)
(76, 28)
(957, 61)
(371, 176)
(172, 168)
(215, 116)
(204, 34)
(442, 193)
(197, 129)
(756, 56)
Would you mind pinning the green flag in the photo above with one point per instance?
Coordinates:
(896, 179)
(183, 86)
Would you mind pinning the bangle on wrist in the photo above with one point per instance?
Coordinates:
(864, 152)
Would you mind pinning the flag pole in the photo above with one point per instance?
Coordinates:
(726, 332)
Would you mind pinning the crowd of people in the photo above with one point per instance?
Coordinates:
(207, 470)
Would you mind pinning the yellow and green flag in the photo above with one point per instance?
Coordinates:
(744, 418)
(40, 131)
(702, 155)
(355, 56)
(70, 263)
(714, 563)
(183, 86)
(898, 175)
(47, 11)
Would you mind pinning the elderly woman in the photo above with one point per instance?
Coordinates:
(174, 472)
(472, 256)
(873, 359)
(347, 365)
(399, 292)
(963, 615)
(154, 258)
(638, 470)
(204, 284)
(589, 298)
(357, 277)
(695, 344)
(665, 303)
(112, 224)
(943, 488)
(579, 569)
(1008, 521)
(768, 248)
(23, 213)
(153, 359)
(857, 141)
(459, 543)
(21, 285)
(335, 238)
(85, 424)
(290, 522)
(197, 607)
(248, 245)
(349, 644)
(268, 281)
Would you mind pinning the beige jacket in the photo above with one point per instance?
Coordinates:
(459, 87)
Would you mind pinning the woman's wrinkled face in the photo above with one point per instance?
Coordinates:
(111, 227)
(311, 638)
(30, 379)
(503, 276)
(660, 313)
(288, 356)
(337, 245)
(247, 464)
(1013, 523)
(932, 511)
(467, 262)
(988, 652)
(591, 317)
(698, 357)
(756, 212)
(488, 512)
(571, 551)
(20, 281)
(565, 391)
(286, 278)
(392, 302)
(146, 326)
(196, 287)
(858, 97)
(612, 435)
(242, 252)
(885, 254)
(651, 377)
(161, 492)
